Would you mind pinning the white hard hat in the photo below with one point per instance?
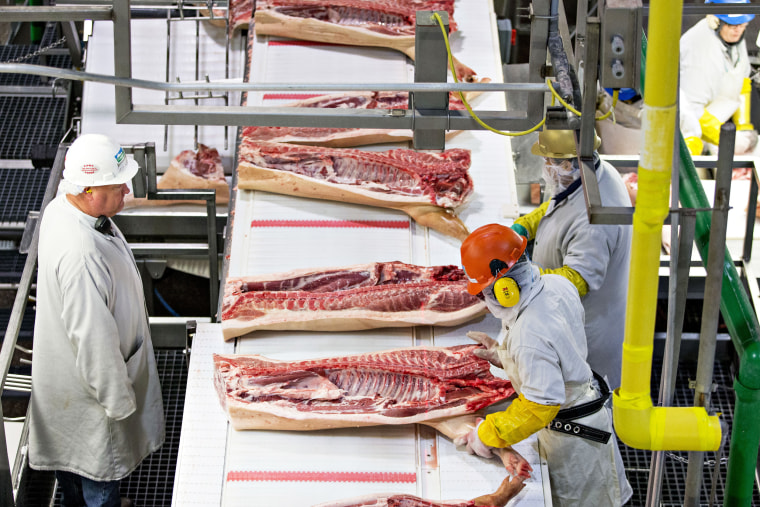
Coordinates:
(94, 160)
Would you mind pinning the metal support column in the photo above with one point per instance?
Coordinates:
(431, 69)
(145, 185)
(711, 308)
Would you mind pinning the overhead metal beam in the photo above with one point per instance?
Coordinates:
(56, 13)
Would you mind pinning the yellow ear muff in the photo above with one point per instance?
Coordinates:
(506, 291)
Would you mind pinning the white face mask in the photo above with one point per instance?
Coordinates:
(558, 176)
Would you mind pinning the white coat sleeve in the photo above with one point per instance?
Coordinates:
(587, 249)
(95, 337)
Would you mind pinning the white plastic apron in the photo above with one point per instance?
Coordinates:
(581, 472)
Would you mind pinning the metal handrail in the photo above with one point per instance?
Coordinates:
(14, 325)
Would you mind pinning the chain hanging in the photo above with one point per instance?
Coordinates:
(38, 52)
(681, 459)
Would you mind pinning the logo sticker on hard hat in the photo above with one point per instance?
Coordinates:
(120, 157)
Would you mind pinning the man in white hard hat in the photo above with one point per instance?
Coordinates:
(593, 257)
(715, 83)
(96, 410)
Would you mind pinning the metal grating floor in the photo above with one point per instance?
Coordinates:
(27, 323)
(21, 192)
(29, 121)
(11, 266)
(637, 462)
(153, 481)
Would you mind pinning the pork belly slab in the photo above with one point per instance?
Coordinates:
(363, 296)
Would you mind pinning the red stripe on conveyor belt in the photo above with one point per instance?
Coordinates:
(291, 96)
(338, 224)
(273, 476)
(299, 43)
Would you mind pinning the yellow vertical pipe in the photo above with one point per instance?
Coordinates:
(637, 422)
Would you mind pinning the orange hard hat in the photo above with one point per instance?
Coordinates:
(486, 244)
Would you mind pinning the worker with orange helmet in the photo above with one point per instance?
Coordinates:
(544, 355)
(594, 257)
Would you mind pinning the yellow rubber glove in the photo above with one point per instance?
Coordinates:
(519, 421)
(741, 116)
(695, 145)
(572, 275)
(710, 127)
(531, 220)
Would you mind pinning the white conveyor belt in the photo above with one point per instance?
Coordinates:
(279, 233)
(217, 465)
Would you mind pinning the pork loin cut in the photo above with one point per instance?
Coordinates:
(190, 170)
(386, 23)
(426, 186)
(398, 386)
(349, 137)
(365, 296)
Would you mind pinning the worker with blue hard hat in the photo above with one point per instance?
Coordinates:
(715, 83)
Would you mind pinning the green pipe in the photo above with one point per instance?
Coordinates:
(745, 440)
(743, 328)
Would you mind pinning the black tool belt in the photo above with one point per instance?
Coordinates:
(563, 423)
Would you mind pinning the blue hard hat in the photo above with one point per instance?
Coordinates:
(732, 19)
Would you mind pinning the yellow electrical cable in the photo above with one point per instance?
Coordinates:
(575, 111)
(501, 132)
(615, 93)
(461, 95)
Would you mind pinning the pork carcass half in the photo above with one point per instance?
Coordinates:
(398, 386)
(348, 137)
(429, 187)
(386, 23)
(365, 296)
(190, 170)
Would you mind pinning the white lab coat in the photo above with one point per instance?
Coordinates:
(601, 254)
(711, 74)
(543, 354)
(96, 407)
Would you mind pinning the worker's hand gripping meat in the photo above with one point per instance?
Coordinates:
(491, 346)
(544, 355)
(509, 488)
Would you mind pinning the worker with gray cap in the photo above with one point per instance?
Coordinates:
(594, 257)
(96, 410)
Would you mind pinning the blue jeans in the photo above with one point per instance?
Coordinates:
(78, 491)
